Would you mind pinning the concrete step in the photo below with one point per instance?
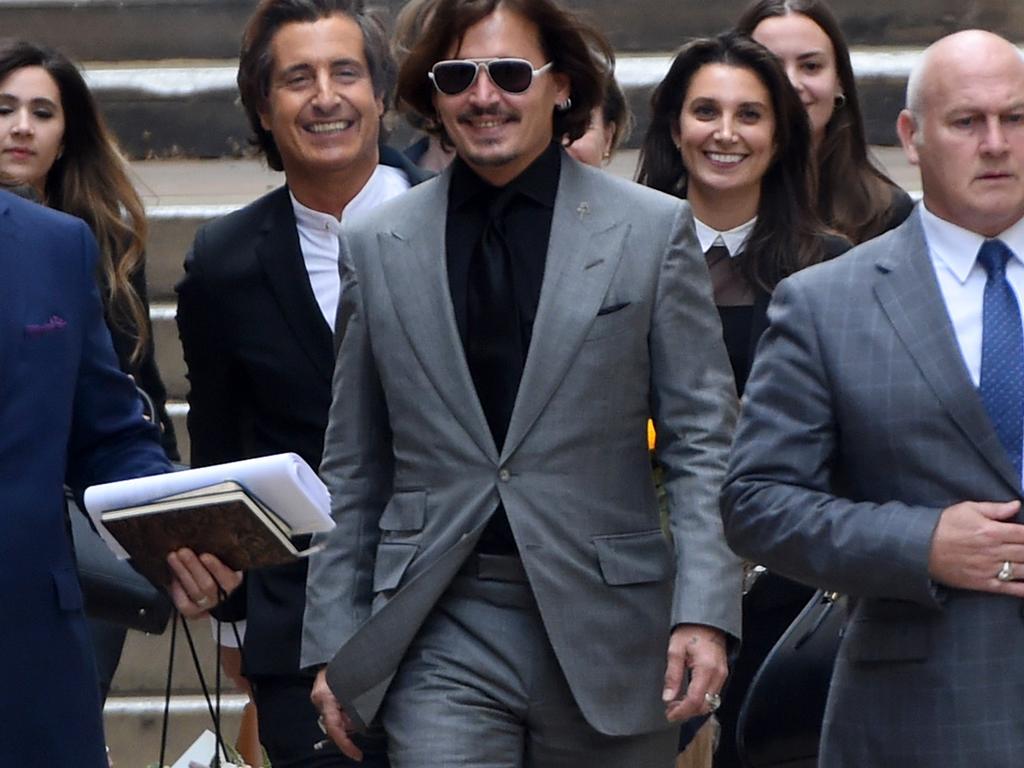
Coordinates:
(133, 726)
(133, 714)
(191, 109)
(114, 30)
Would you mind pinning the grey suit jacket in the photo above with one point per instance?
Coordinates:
(413, 469)
(860, 425)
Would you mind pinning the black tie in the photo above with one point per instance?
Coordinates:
(494, 344)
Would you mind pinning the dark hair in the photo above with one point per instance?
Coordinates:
(256, 62)
(576, 50)
(89, 180)
(854, 196)
(615, 109)
(785, 237)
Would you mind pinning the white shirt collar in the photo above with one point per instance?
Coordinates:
(384, 183)
(957, 248)
(733, 239)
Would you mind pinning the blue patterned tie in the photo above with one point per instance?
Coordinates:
(1002, 352)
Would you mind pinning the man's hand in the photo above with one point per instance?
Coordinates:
(194, 588)
(972, 541)
(701, 650)
(335, 722)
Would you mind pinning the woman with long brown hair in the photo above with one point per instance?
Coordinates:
(729, 134)
(853, 195)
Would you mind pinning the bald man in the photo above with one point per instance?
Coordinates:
(879, 453)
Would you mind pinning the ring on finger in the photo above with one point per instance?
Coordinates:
(1005, 571)
(713, 700)
(202, 601)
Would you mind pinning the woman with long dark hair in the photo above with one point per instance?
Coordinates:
(53, 139)
(729, 134)
(852, 194)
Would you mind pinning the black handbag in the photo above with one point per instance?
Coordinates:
(780, 721)
(113, 590)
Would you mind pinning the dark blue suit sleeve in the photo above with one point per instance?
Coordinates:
(110, 440)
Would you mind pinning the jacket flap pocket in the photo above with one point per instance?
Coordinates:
(405, 512)
(634, 558)
(392, 561)
(873, 640)
(69, 594)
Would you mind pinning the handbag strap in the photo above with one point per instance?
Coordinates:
(213, 706)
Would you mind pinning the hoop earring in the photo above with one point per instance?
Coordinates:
(564, 105)
(839, 101)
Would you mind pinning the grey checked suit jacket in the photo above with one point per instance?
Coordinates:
(860, 424)
(414, 472)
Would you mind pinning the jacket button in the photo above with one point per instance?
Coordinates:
(504, 475)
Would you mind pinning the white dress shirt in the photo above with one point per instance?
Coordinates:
(954, 255)
(318, 234)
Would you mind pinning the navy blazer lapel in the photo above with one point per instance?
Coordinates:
(909, 293)
(412, 257)
(584, 250)
(280, 255)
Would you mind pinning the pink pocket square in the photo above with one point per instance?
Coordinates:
(55, 323)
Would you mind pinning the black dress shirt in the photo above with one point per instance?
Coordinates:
(526, 228)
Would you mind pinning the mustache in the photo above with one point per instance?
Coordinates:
(475, 112)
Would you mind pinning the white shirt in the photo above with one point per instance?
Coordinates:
(318, 234)
(733, 239)
(954, 254)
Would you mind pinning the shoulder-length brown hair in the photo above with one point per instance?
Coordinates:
(853, 195)
(89, 180)
(574, 47)
(787, 235)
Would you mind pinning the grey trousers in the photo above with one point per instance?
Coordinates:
(480, 687)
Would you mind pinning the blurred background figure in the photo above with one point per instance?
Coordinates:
(728, 133)
(54, 140)
(429, 152)
(853, 195)
(610, 125)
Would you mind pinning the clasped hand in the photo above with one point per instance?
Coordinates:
(972, 541)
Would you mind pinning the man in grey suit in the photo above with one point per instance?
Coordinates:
(879, 453)
(499, 583)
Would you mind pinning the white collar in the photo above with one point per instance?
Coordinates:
(957, 248)
(733, 239)
(384, 183)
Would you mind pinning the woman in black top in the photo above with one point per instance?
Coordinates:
(53, 139)
(729, 134)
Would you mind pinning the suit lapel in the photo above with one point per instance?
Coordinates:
(583, 253)
(413, 259)
(910, 297)
(280, 255)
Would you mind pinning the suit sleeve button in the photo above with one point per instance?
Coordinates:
(504, 475)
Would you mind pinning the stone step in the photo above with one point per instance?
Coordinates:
(133, 726)
(133, 714)
(191, 109)
(114, 30)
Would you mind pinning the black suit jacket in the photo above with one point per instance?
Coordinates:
(260, 358)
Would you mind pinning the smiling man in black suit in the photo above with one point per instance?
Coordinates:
(257, 305)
